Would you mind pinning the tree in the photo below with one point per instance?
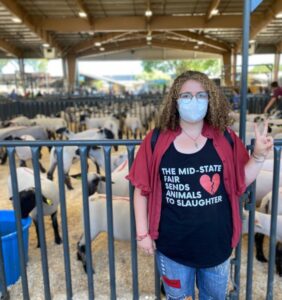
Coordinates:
(38, 65)
(3, 63)
(175, 67)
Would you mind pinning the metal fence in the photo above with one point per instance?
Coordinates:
(107, 145)
(30, 108)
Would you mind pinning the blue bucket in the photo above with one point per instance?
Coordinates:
(9, 237)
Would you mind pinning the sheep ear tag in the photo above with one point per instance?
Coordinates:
(49, 202)
(210, 184)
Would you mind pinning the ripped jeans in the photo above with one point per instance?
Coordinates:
(179, 280)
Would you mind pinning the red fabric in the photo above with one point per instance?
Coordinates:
(277, 92)
(144, 173)
(175, 283)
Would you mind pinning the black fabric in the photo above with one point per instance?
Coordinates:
(196, 222)
(156, 133)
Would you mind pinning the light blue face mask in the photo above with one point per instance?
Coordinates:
(193, 110)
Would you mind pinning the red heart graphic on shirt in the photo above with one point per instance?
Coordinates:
(210, 185)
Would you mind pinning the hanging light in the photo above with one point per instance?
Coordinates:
(148, 13)
(97, 44)
(102, 49)
(82, 14)
(148, 38)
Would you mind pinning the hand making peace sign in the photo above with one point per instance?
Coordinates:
(263, 143)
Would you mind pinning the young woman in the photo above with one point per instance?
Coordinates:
(187, 190)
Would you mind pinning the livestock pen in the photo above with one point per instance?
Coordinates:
(120, 271)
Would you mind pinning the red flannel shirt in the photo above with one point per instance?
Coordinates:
(144, 173)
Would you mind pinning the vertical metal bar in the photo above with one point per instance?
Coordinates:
(59, 151)
(4, 290)
(236, 262)
(251, 207)
(17, 208)
(111, 246)
(273, 226)
(134, 261)
(39, 209)
(244, 75)
(83, 161)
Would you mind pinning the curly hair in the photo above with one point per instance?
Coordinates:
(218, 109)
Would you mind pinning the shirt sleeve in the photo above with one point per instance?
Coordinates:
(139, 174)
(241, 157)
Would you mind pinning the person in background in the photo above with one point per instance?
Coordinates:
(187, 188)
(275, 96)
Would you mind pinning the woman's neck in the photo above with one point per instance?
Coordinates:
(192, 127)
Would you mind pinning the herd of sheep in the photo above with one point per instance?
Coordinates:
(114, 126)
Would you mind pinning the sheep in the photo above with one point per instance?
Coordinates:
(262, 227)
(50, 196)
(98, 222)
(71, 153)
(52, 125)
(133, 124)
(17, 131)
(120, 185)
(265, 207)
(19, 121)
(24, 153)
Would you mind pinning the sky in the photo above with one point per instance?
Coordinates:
(120, 67)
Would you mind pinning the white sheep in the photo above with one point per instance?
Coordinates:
(133, 124)
(50, 195)
(120, 186)
(71, 153)
(98, 221)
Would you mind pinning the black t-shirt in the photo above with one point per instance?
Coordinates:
(196, 221)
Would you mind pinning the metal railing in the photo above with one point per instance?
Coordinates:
(107, 145)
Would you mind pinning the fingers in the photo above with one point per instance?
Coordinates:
(265, 129)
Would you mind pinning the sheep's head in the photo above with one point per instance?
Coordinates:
(93, 180)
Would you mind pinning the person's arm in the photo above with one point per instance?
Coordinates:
(262, 147)
(144, 240)
(269, 104)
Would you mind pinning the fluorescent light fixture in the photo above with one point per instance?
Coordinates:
(148, 13)
(196, 47)
(214, 12)
(148, 38)
(16, 20)
(278, 16)
(97, 44)
(102, 49)
(45, 45)
(252, 41)
(82, 14)
(200, 42)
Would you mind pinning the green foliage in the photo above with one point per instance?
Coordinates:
(3, 63)
(175, 67)
(262, 69)
(38, 65)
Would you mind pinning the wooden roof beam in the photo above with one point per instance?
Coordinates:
(185, 46)
(83, 8)
(10, 48)
(101, 39)
(19, 12)
(113, 47)
(142, 43)
(202, 38)
(264, 21)
(137, 23)
(213, 6)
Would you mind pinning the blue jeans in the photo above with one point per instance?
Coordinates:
(179, 280)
